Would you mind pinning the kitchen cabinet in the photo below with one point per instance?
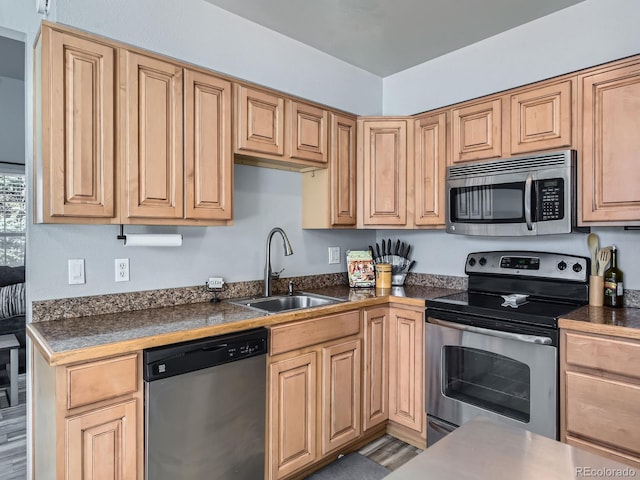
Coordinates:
(430, 169)
(273, 130)
(375, 394)
(152, 120)
(165, 159)
(208, 155)
(75, 101)
(600, 395)
(543, 117)
(341, 399)
(329, 195)
(385, 154)
(610, 118)
(406, 374)
(314, 399)
(476, 130)
(90, 419)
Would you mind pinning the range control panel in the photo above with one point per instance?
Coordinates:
(529, 264)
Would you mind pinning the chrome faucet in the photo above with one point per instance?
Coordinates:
(268, 273)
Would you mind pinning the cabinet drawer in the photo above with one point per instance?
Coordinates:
(609, 355)
(311, 332)
(101, 380)
(604, 410)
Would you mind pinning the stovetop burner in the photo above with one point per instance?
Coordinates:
(554, 285)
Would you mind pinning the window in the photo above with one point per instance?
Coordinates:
(13, 218)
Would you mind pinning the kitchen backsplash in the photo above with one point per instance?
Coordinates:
(46, 310)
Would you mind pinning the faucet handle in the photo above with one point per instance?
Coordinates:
(290, 290)
(276, 275)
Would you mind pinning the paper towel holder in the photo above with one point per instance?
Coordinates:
(152, 239)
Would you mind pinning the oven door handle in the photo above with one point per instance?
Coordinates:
(527, 201)
(520, 337)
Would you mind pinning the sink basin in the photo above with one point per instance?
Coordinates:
(285, 303)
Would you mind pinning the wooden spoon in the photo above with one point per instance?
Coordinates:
(604, 256)
(593, 244)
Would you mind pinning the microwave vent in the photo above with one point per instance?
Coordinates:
(512, 165)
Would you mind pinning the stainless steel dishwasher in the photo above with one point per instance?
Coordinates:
(205, 408)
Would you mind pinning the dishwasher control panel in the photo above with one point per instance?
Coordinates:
(180, 358)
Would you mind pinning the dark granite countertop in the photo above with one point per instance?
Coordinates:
(75, 339)
(619, 322)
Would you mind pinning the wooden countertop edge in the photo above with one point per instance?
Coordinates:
(599, 328)
(126, 346)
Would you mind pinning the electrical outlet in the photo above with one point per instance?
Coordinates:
(215, 282)
(122, 269)
(76, 271)
(334, 255)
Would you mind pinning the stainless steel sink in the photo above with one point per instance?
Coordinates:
(284, 303)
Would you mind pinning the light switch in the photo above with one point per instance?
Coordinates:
(334, 255)
(76, 271)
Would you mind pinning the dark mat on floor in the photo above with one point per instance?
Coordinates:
(351, 467)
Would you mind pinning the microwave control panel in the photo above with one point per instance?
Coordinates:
(550, 199)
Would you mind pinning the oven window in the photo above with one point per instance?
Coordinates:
(487, 380)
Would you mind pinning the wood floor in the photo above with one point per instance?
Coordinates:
(13, 434)
(389, 452)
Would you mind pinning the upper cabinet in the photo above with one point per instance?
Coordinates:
(75, 129)
(476, 131)
(208, 156)
(165, 159)
(259, 122)
(329, 195)
(275, 131)
(385, 151)
(430, 163)
(528, 119)
(542, 117)
(152, 145)
(610, 114)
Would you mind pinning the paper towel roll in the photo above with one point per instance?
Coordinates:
(153, 240)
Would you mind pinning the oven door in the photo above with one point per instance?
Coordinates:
(511, 377)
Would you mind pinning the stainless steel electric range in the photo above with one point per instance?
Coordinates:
(493, 350)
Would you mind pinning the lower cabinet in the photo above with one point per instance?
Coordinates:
(600, 395)
(375, 395)
(314, 391)
(88, 419)
(406, 374)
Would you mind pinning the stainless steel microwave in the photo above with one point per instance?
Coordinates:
(526, 195)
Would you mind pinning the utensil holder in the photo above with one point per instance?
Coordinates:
(596, 290)
(397, 279)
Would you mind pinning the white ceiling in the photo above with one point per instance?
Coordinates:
(387, 36)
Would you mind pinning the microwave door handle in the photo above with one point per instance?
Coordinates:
(520, 337)
(528, 184)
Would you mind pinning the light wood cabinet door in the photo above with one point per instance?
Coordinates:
(375, 393)
(152, 125)
(476, 131)
(430, 169)
(341, 400)
(293, 414)
(406, 369)
(383, 147)
(259, 121)
(209, 159)
(78, 127)
(308, 130)
(542, 118)
(610, 111)
(342, 168)
(101, 444)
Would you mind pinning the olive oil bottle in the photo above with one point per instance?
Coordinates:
(613, 282)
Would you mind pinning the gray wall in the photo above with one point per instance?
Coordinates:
(587, 34)
(12, 121)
